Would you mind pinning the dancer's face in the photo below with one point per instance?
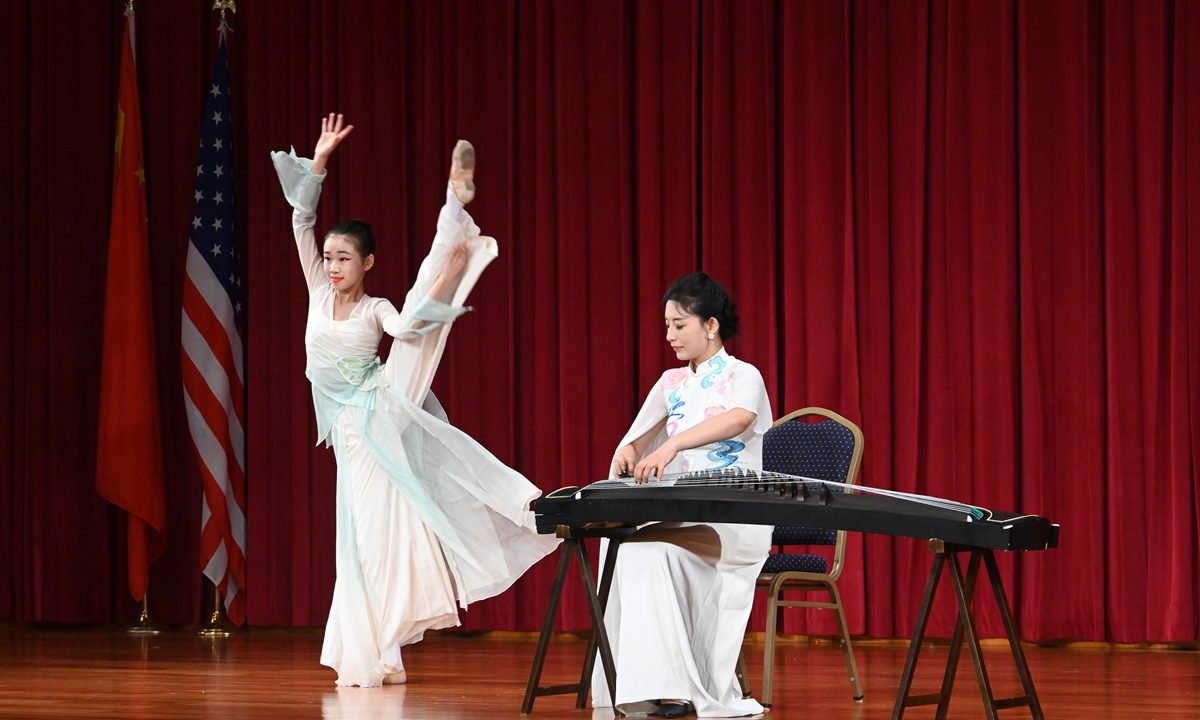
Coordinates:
(688, 336)
(344, 266)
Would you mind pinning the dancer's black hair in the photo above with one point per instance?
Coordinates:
(360, 233)
(698, 294)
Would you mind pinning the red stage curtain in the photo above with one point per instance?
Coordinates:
(965, 226)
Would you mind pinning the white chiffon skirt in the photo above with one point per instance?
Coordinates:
(398, 575)
(401, 587)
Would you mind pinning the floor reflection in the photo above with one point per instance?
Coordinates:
(355, 703)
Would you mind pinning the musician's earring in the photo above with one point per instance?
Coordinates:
(711, 336)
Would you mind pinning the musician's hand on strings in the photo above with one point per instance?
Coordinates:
(624, 462)
(655, 464)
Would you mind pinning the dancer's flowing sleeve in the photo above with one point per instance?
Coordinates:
(652, 412)
(302, 188)
(427, 312)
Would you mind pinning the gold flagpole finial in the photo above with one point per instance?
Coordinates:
(221, 5)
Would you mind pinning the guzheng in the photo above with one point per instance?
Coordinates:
(613, 508)
(736, 496)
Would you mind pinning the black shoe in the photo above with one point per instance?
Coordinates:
(673, 710)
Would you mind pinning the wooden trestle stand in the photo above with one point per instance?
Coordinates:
(573, 545)
(947, 554)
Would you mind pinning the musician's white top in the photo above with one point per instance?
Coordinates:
(688, 397)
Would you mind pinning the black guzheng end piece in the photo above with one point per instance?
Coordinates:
(770, 499)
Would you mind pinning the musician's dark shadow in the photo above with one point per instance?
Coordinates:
(700, 540)
(608, 714)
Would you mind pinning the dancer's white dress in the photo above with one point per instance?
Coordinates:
(682, 592)
(425, 515)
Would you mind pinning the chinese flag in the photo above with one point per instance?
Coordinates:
(129, 465)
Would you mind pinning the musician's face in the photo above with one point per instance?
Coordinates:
(688, 336)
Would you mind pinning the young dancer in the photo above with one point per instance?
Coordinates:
(681, 592)
(426, 517)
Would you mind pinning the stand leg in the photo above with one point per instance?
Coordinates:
(589, 659)
(606, 657)
(965, 628)
(1014, 641)
(914, 648)
(539, 658)
(967, 618)
(956, 643)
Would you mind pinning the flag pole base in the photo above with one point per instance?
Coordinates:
(217, 626)
(144, 625)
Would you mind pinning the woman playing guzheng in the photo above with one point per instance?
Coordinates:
(426, 517)
(681, 593)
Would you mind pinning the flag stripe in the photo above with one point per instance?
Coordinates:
(213, 460)
(218, 563)
(199, 359)
(198, 394)
(209, 328)
(217, 300)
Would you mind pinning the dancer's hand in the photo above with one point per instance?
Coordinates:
(624, 462)
(332, 134)
(455, 263)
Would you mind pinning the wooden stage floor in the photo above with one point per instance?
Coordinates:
(72, 673)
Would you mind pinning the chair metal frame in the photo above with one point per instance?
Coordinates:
(791, 581)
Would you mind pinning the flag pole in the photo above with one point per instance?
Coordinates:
(221, 5)
(217, 625)
(129, 466)
(144, 625)
(225, 559)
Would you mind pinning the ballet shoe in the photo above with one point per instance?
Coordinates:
(399, 677)
(462, 171)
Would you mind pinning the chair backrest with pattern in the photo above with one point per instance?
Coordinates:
(827, 450)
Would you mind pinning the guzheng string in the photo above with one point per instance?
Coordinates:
(725, 478)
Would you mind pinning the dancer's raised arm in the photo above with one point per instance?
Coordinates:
(301, 179)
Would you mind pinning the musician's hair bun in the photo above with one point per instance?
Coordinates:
(698, 294)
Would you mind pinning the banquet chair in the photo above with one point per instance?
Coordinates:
(829, 449)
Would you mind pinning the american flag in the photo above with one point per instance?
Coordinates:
(213, 379)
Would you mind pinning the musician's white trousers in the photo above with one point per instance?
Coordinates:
(677, 614)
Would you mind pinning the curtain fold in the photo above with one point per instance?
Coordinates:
(967, 227)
